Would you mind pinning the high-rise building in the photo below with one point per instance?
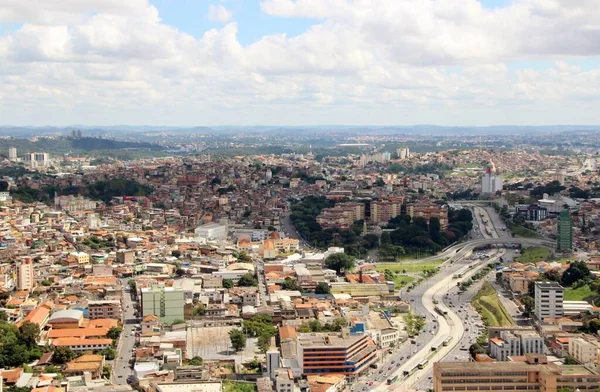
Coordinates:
(384, 210)
(548, 300)
(564, 231)
(37, 159)
(403, 153)
(490, 183)
(12, 154)
(25, 274)
(164, 302)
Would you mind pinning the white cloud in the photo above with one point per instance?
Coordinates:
(363, 61)
(218, 13)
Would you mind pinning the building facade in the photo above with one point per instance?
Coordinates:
(164, 302)
(327, 353)
(564, 232)
(25, 274)
(513, 376)
(548, 300)
(105, 309)
(584, 351)
(490, 183)
(384, 210)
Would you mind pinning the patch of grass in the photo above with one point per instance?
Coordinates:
(402, 280)
(521, 231)
(488, 305)
(582, 293)
(408, 267)
(235, 386)
(533, 255)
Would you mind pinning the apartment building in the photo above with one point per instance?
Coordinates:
(384, 210)
(548, 300)
(74, 203)
(164, 302)
(25, 274)
(428, 211)
(342, 215)
(125, 256)
(514, 343)
(343, 353)
(105, 309)
(513, 376)
(584, 350)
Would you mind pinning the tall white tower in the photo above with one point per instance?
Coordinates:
(12, 154)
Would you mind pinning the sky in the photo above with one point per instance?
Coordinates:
(299, 62)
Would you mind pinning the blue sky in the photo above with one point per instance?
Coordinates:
(299, 62)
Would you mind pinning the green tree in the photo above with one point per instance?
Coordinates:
(114, 333)
(290, 284)
(227, 283)
(264, 342)
(46, 282)
(569, 360)
(62, 355)
(106, 371)
(578, 270)
(248, 280)
(199, 311)
(109, 353)
(30, 333)
(196, 361)
(238, 339)
(385, 238)
(340, 262)
(528, 303)
(322, 288)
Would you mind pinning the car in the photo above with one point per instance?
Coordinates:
(393, 362)
(371, 383)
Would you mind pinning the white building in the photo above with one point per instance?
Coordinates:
(403, 153)
(212, 231)
(37, 159)
(584, 351)
(12, 154)
(515, 343)
(490, 183)
(5, 196)
(548, 300)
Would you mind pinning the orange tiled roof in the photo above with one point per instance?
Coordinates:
(78, 342)
(77, 332)
(287, 332)
(36, 316)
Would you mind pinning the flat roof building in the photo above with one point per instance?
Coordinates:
(512, 376)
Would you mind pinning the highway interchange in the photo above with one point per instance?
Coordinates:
(461, 322)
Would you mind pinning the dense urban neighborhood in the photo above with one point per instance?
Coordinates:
(365, 266)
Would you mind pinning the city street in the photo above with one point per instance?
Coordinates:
(121, 369)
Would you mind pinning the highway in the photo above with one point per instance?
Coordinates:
(440, 291)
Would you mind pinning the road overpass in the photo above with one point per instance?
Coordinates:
(470, 245)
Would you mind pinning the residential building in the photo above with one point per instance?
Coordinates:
(164, 302)
(80, 257)
(344, 353)
(12, 154)
(384, 210)
(72, 203)
(403, 153)
(513, 376)
(105, 309)
(490, 183)
(125, 256)
(564, 231)
(25, 274)
(584, 351)
(548, 300)
(212, 231)
(37, 159)
(342, 215)
(428, 211)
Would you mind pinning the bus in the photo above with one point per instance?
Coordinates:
(410, 372)
(423, 363)
(392, 380)
(447, 341)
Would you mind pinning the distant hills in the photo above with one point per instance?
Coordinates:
(120, 131)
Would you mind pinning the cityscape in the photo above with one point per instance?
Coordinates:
(424, 241)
